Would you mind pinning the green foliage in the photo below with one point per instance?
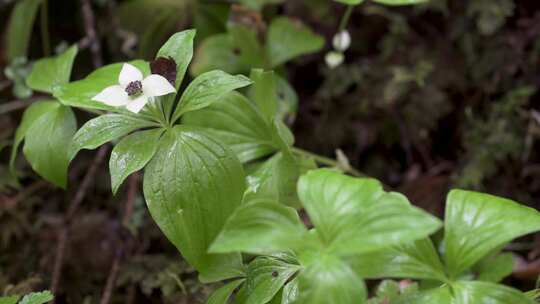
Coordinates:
(222, 295)
(20, 28)
(49, 73)
(37, 298)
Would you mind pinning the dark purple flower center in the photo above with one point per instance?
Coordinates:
(134, 88)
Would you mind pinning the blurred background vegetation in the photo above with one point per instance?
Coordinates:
(430, 97)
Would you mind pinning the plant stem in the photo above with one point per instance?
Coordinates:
(345, 19)
(45, 37)
(326, 161)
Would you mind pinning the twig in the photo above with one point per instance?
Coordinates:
(75, 203)
(111, 279)
(45, 37)
(90, 29)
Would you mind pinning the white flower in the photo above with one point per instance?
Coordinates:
(334, 59)
(342, 41)
(133, 91)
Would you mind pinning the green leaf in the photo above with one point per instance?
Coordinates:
(290, 292)
(325, 192)
(222, 295)
(103, 129)
(248, 47)
(131, 154)
(192, 185)
(236, 122)
(46, 144)
(80, 93)
(415, 260)
(477, 223)
(207, 89)
(260, 227)
(276, 179)
(265, 277)
(328, 280)
(391, 221)
(180, 48)
(399, 2)
(30, 115)
(474, 292)
(288, 39)
(217, 52)
(9, 299)
(49, 73)
(494, 268)
(37, 298)
(264, 93)
(20, 28)
(350, 2)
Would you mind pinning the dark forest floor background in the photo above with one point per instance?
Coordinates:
(429, 98)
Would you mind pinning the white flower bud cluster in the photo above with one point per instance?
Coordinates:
(341, 42)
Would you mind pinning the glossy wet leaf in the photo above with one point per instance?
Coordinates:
(30, 116)
(222, 295)
(80, 93)
(207, 89)
(131, 154)
(437, 295)
(474, 292)
(180, 48)
(415, 260)
(192, 185)
(49, 73)
(103, 129)
(328, 280)
(20, 27)
(288, 39)
(261, 227)
(477, 223)
(236, 122)
(47, 141)
(290, 292)
(265, 277)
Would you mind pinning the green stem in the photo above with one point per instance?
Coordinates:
(345, 19)
(46, 40)
(326, 161)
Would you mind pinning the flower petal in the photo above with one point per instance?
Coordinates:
(156, 85)
(129, 74)
(113, 96)
(137, 104)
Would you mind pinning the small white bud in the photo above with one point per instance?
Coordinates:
(334, 59)
(342, 41)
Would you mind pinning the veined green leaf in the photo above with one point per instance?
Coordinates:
(261, 227)
(217, 52)
(478, 223)
(20, 28)
(222, 295)
(192, 185)
(49, 73)
(46, 144)
(437, 295)
(474, 292)
(80, 93)
(37, 298)
(494, 268)
(265, 277)
(264, 92)
(180, 48)
(328, 280)
(207, 89)
(236, 122)
(415, 260)
(288, 39)
(103, 129)
(131, 154)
